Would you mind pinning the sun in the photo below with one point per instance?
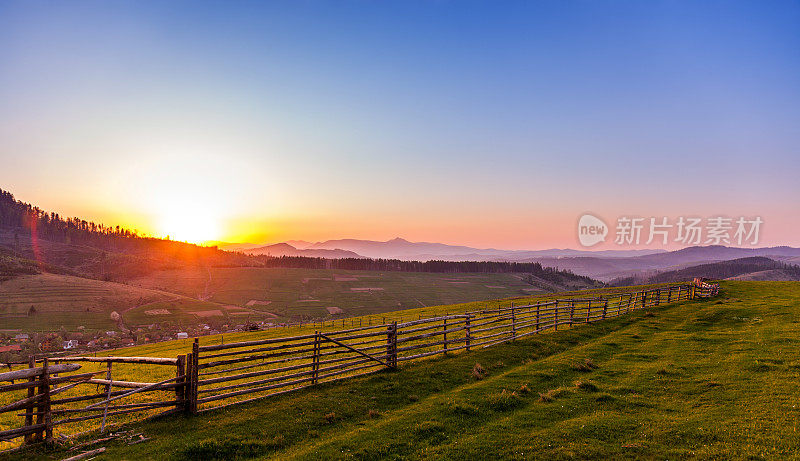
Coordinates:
(188, 225)
(190, 193)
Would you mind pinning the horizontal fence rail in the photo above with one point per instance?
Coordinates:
(61, 392)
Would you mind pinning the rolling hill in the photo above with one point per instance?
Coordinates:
(303, 294)
(751, 268)
(709, 378)
(610, 268)
(47, 302)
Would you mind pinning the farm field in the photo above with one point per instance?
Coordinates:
(708, 378)
(237, 295)
(172, 349)
(315, 293)
(47, 302)
(182, 346)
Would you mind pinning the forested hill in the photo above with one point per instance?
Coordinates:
(30, 222)
(735, 268)
(34, 240)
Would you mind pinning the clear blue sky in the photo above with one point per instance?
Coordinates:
(482, 123)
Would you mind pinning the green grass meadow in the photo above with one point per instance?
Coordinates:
(703, 379)
(307, 292)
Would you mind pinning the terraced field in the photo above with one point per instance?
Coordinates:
(309, 293)
(47, 302)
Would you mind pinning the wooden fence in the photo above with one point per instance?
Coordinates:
(58, 393)
(226, 374)
(215, 376)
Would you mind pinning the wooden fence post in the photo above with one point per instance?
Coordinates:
(315, 360)
(108, 396)
(669, 294)
(194, 377)
(394, 344)
(43, 415)
(391, 344)
(187, 384)
(588, 310)
(555, 316)
(513, 323)
(43, 408)
(392, 341)
(468, 337)
(605, 308)
(31, 393)
(48, 415)
(180, 388)
(571, 311)
(538, 310)
(444, 334)
(38, 436)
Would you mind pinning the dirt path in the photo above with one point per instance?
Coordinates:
(207, 293)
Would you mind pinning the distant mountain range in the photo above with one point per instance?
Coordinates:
(285, 249)
(609, 268)
(399, 248)
(604, 265)
(402, 249)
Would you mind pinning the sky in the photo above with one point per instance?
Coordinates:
(489, 124)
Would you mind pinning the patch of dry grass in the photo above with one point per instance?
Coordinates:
(584, 367)
(478, 372)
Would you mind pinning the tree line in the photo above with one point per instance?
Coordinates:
(32, 222)
(437, 266)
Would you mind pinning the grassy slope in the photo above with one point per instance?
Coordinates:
(306, 292)
(187, 294)
(713, 378)
(63, 300)
(184, 346)
(140, 373)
